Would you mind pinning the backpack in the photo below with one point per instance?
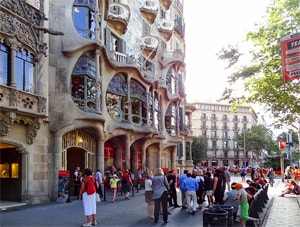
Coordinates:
(91, 187)
(201, 184)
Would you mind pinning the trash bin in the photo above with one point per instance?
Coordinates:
(229, 209)
(215, 217)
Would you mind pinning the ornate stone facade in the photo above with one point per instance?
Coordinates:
(83, 88)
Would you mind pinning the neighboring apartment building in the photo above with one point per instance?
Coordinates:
(92, 84)
(221, 127)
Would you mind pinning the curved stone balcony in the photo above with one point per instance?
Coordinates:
(165, 4)
(118, 17)
(149, 45)
(165, 28)
(149, 10)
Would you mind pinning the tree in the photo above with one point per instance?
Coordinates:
(262, 79)
(199, 149)
(256, 139)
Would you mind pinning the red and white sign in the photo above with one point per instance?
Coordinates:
(290, 50)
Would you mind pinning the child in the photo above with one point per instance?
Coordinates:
(113, 185)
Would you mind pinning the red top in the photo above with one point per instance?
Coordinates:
(86, 180)
(127, 177)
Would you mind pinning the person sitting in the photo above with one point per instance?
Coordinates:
(291, 188)
(229, 199)
(255, 185)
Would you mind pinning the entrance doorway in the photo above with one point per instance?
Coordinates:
(75, 157)
(10, 173)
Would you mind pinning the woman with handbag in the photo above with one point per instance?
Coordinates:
(88, 196)
(160, 194)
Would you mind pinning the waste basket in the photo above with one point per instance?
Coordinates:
(229, 209)
(215, 217)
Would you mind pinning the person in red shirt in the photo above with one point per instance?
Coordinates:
(126, 184)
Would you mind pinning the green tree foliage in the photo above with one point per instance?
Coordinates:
(256, 139)
(199, 149)
(263, 78)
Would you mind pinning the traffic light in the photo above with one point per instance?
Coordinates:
(282, 146)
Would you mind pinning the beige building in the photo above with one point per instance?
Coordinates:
(92, 84)
(221, 126)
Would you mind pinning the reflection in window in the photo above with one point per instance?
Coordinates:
(138, 99)
(154, 110)
(117, 97)
(24, 69)
(84, 89)
(83, 17)
(4, 170)
(171, 119)
(3, 64)
(171, 80)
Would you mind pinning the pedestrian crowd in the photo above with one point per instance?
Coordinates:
(212, 185)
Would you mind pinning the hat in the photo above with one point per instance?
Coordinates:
(114, 175)
(238, 186)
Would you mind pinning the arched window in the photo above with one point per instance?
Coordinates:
(83, 17)
(84, 89)
(117, 97)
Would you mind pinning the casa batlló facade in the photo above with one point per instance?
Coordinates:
(92, 84)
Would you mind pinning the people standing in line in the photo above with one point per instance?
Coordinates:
(160, 195)
(252, 173)
(139, 176)
(148, 195)
(228, 178)
(77, 180)
(209, 188)
(218, 186)
(172, 185)
(113, 182)
(271, 176)
(242, 196)
(180, 182)
(191, 186)
(146, 171)
(200, 180)
(243, 173)
(99, 179)
(126, 184)
(89, 201)
(230, 199)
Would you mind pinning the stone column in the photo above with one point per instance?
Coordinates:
(127, 154)
(100, 156)
(57, 163)
(99, 96)
(159, 157)
(13, 44)
(173, 157)
(144, 163)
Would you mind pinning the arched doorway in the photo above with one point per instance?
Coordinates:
(78, 149)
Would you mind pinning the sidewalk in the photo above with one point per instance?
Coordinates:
(284, 211)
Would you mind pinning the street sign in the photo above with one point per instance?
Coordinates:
(282, 145)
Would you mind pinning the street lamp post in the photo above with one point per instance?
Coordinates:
(244, 161)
